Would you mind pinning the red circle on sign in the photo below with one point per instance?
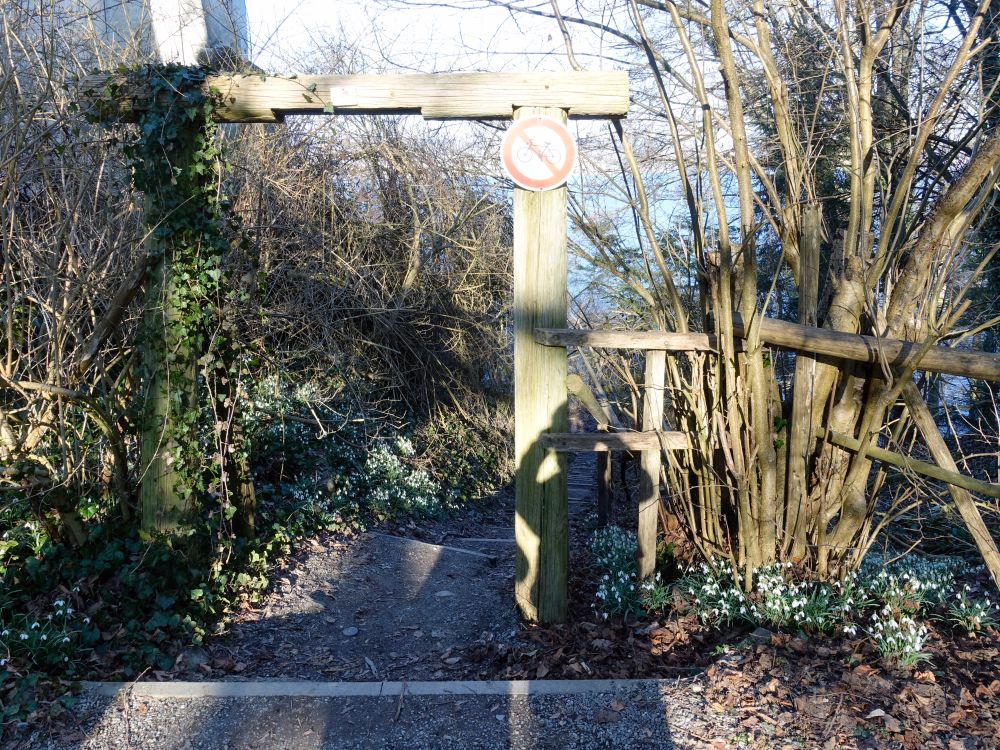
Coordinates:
(538, 152)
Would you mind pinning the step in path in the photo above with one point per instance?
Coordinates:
(358, 646)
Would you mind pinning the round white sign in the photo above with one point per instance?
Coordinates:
(538, 153)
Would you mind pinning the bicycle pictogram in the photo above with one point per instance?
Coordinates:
(538, 153)
(536, 150)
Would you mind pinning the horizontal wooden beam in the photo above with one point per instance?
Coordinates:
(659, 340)
(911, 464)
(785, 335)
(439, 96)
(615, 441)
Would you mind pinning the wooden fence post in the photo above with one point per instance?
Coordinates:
(540, 301)
(649, 480)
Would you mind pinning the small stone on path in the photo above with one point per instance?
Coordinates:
(351, 631)
(443, 593)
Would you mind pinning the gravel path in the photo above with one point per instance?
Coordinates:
(380, 607)
(657, 716)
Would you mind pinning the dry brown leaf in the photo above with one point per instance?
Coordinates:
(607, 717)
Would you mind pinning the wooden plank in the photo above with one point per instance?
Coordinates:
(439, 547)
(604, 494)
(840, 345)
(649, 475)
(541, 298)
(602, 397)
(478, 96)
(581, 442)
(911, 464)
(661, 340)
(985, 543)
(576, 387)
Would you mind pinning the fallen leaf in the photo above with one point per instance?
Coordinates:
(926, 677)
(893, 724)
(607, 717)
(617, 705)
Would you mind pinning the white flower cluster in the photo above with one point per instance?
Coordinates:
(613, 551)
(716, 597)
(393, 486)
(913, 584)
(898, 637)
(40, 640)
(972, 615)
(900, 591)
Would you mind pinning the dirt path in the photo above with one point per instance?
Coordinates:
(384, 607)
(655, 716)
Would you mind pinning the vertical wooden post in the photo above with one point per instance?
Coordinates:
(800, 427)
(540, 301)
(162, 506)
(649, 480)
(603, 479)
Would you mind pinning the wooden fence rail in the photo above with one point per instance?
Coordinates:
(859, 348)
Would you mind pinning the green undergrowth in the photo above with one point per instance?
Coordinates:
(889, 603)
(125, 604)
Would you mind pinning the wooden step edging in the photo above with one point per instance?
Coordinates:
(311, 689)
(648, 440)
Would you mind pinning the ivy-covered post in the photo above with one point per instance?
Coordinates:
(169, 393)
(189, 355)
(173, 165)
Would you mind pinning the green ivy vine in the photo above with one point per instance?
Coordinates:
(190, 365)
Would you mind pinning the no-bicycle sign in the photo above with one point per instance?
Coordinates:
(538, 153)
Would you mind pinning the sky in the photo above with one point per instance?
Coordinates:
(427, 40)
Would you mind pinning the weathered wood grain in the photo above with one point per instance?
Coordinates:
(477, 96)
(663, 340)
(577, 442)
(839, 345)
(541, 298)
(649, 476)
